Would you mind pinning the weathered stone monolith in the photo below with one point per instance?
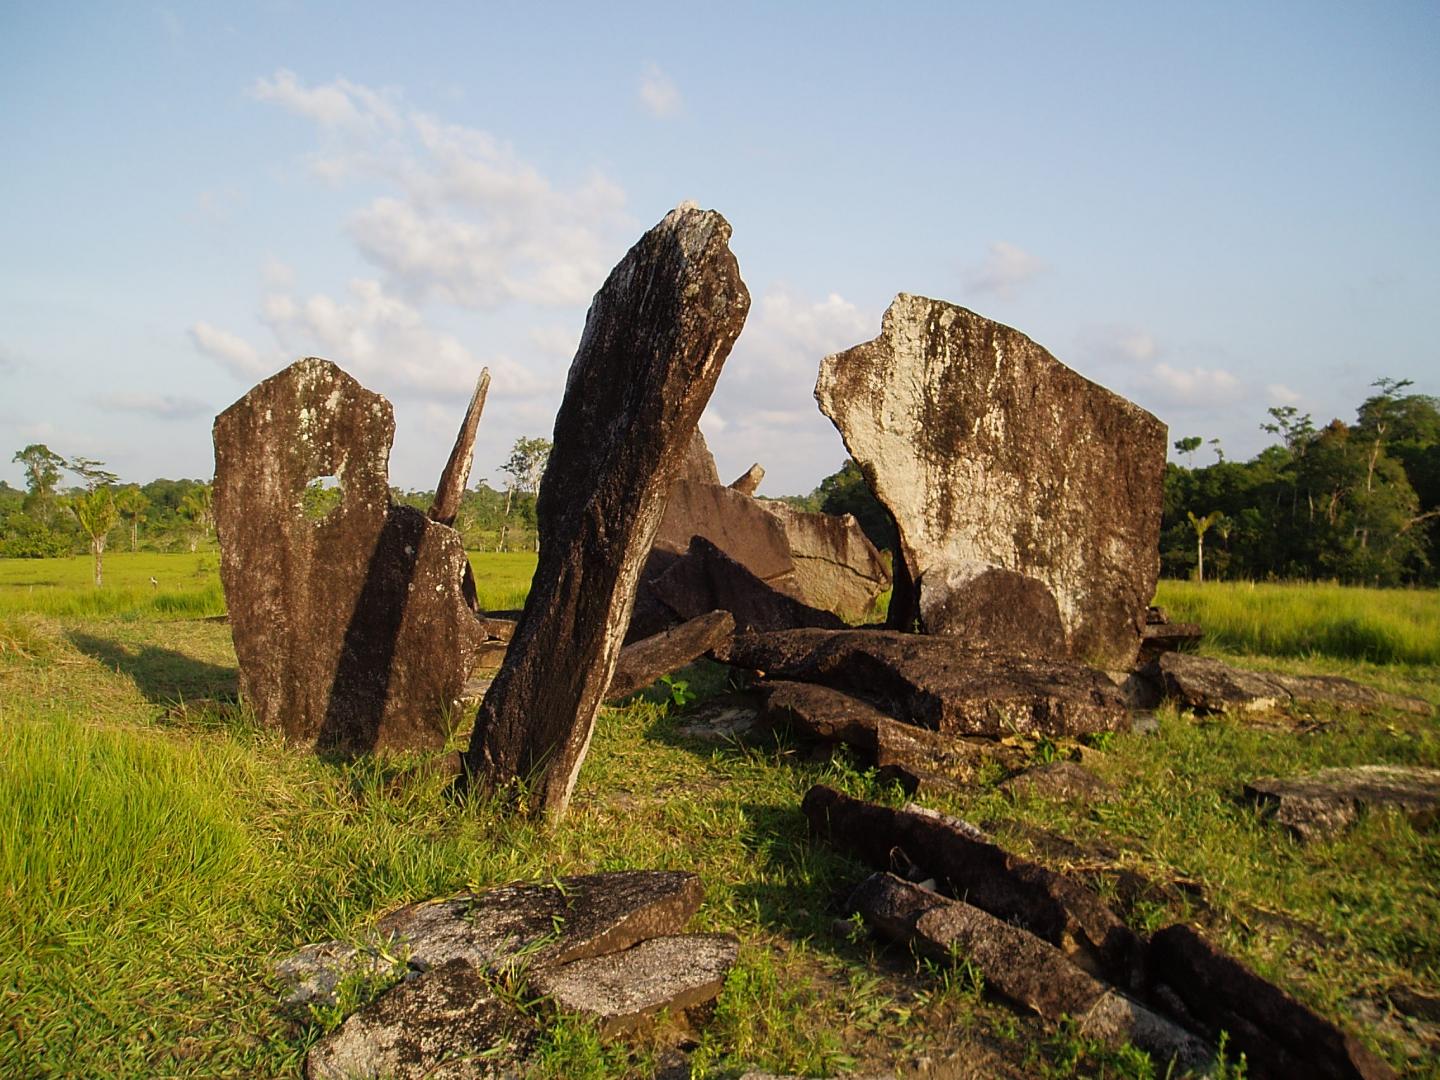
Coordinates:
(655, 338)
(351, 630)
(1027, 498)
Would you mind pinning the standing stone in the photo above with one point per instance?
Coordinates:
(352, 631)
(1027, 498)
(748, 482)
(655, 338)
(837, 568)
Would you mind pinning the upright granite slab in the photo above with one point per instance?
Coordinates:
(1026, 497)
(655, 338)
(352, 631)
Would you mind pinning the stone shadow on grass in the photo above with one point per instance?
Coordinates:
(163, 676)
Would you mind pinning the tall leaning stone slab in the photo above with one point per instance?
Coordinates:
(1026, 497)
(655, 338)
(351, 630)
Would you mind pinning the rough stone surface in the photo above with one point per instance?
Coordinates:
(1157, 638)
(925, 761)
(655, 338)
(939, 683)
(1061, 780)
(352, 632)
(1279, 1036)
(1027, 498)
(748, 482)
(644, 661)
(622, 990)
(706, 579)
(735, 523)
(837, 568)
(1057, 909)
(1021, 966)
(699, 463)
(728, 718)
(456, 474)
(1325, 802)
(311, 973)
(822, 713)
(448, 1024)
(584, 916)
(1210, 686)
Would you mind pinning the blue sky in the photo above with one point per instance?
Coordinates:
(1211, 209)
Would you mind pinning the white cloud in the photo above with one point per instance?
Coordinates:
(9, 359)
(278, 274)
(1005, 268)
(764, 406)
(1193, 388)
(233, 351)
(465, 219)
(559, 341)
(160, 406)
(658, 92)
(1283, 394)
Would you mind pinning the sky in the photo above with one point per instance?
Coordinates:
(1211, 209)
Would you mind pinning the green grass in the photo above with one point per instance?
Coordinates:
(1381, 626)
(153, 861)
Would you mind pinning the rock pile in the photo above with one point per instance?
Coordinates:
(606, 946)
(1048, 942)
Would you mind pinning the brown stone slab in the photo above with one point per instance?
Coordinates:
(939, 683)
(621, 991)
(837, 568)
(748, 482)
(1279, 1036)
(822, 713)
(1017, 486)
(644, 661)
(1199, 682)
(450, 1023)
(925, 761)
(456, 474)
(655, 338)
(1061, 911)
(1021, 967)
(1325, 802)
(352, 632)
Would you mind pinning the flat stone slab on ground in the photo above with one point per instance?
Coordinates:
(1061, 780)
(449, 1024)
(939, 683)
(1325, 802)
(724, 719)
(622, 990)
(1021, 966)
(1209, 685)
(1280, 1036)
(583, 916)
(644, 661)
(822, 713)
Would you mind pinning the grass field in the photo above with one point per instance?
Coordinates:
(155, 858)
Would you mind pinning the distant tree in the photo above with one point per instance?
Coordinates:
(198, 507)
(1201, 527)
(526, 470)
(846, 491)
(95, 511)
(1188, 446)
(93, 473)
(42, 473)
(131, 502)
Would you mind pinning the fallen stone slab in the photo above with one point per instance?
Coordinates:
(451, 1023)
(748, 482)
(311, 974)
(1068, 780)
(729, 718)
(939, 683)
(822, 713)
(1322, 803)
(1027, 499)
(539, 925)
(644, 661)
(1207, 685)
(1062, 911)
(837, 568)
(1157, 638)
(1022, 967)
(656, 336)
(705, 579)
(353, 632)
(622, 990)
(925, 761)
(737, 524)
(1279, 1036)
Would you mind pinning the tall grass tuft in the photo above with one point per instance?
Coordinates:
(1380, 626)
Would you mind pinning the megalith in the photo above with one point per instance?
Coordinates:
(351, 629)
(655, 338)
(1027, 498)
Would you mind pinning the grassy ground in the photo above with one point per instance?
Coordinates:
(154, 858)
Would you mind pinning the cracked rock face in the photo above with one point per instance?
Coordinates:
(1325, 802)
(352, 630)
(1026, 497)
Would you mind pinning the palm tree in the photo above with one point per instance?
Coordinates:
(132, 503)
(1201, 526)
(96, 512)
(198, 506)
